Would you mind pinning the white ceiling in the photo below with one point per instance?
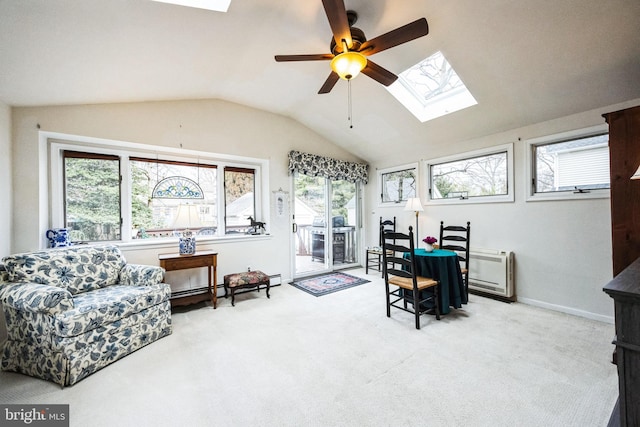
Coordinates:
(524, 61)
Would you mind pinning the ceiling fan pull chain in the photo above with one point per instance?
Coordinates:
(349, 104)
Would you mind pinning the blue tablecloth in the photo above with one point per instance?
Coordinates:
(443, 265)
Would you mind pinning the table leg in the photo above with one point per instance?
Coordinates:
(212, 278)
(215, 284)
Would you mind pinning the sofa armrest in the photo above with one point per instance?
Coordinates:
(37, 298)
(141, 275)
(4, 274)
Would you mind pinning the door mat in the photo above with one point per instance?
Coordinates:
(328, 283)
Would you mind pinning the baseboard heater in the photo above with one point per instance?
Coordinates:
(491, 271)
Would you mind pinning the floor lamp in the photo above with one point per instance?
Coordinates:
(415, 205)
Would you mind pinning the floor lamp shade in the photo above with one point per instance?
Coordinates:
(187, 217)
(415, 205)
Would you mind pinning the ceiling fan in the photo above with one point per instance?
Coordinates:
(350, 48)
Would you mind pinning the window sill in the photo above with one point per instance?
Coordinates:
(472, 200)
(172, 243)
(569, 195)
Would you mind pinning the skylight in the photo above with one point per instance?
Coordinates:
(431, 89)
(216, 5)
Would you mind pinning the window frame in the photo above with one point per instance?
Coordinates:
(224, 196)
(56, 144)
(530, 161)
(406, 167)
(77, 154)
(502, 198)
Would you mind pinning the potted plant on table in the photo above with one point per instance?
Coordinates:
(429, 240)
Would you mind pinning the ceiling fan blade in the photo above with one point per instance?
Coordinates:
(310, 57)
(329, 83)
(379, 74)
(396, 37)
(337, 16)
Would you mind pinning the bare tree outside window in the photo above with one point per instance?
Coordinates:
(398, 186)
(473, 177)
(432, 77)
(240, 203)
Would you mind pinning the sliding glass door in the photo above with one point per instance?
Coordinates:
(325, 224)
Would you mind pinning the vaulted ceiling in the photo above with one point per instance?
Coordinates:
(524, 61)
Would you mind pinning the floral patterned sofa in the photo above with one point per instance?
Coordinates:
(72, 311)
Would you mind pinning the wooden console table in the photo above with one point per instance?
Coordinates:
(209, 259)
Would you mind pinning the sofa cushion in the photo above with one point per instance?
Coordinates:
(79, 269)
(106, 305)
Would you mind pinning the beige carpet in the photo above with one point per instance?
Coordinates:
(337, 360)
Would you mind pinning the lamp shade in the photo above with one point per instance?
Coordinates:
(414, 204)
(187, 217)
(348, 64)
(637, 174)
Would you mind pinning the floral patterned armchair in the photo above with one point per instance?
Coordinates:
(72, 311)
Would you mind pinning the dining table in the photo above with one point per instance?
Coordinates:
(442, 265)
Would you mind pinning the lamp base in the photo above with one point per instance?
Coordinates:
(187, 245)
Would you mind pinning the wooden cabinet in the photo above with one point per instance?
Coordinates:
(624, 158)
(625, 291)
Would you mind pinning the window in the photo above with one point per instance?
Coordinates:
(91, 196)
(570, 165)
(431, 89)
(477, 177)
(239, 189)
(117, 191)
(397, 185)
(215, 5)
(153, 214)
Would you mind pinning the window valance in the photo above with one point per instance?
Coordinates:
(313, 165)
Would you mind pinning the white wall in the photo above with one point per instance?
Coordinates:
(5, 179)
(6, 191)
(203, 125)
(562, 248)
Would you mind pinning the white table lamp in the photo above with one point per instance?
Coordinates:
(186, 218)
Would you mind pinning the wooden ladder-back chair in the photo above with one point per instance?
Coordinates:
(374, 255)
(457, 239)
(399, 269)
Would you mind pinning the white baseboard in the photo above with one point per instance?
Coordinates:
(568, 310)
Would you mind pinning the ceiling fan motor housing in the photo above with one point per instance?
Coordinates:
(358, 37)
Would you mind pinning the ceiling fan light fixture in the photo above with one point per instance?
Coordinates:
(348, 64)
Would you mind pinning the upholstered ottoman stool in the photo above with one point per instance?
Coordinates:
(245, 280)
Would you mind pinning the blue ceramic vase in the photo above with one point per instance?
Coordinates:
(58, 237)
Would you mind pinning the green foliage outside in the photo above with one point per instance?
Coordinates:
(141, 212)
(93, 199)
(311, 190)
